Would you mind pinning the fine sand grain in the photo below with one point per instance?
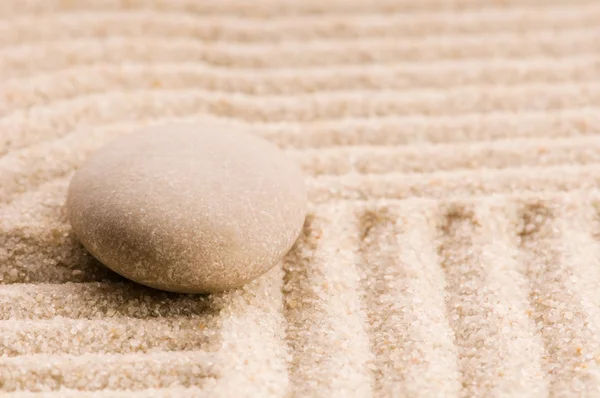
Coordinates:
(452, 162)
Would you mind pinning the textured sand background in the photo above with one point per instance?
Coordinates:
(451, 153)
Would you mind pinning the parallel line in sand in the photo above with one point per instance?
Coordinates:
(559, 256)
(111, 334)
(325, 318)
(486, 297)
(97, 301)
(329, 98)
(348, 186)
(167, 392)
(26, 127)
(414, 353)
(149, 23)
(589, 195)
(584, 150)
(74, 82)
(416, 68)
(30, 167)
(93, 372)
(31, 59)
(251, 332)
(454, 184)
(270, 8)
(253, 335)
(435, 129)
(464, 129)
(306, 46)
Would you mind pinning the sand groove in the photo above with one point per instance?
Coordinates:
(25, 127)
(452, 159)
(118, 334)
(403, 291)
(270, 8)
(98, 372)
(330, 26)
(28, 59)
(323, 310)
(33, 91)
(112, 300)
(568, 329)
(31, 165)
(486, 305)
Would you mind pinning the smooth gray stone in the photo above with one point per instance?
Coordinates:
(188, 208)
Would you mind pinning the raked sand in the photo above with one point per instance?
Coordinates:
(452, 158)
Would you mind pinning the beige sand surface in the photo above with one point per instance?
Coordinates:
(451, 153)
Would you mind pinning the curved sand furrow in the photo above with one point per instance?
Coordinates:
(88, 80)
(26, 60)
(330, 26)
(27, 126)
(271, 8)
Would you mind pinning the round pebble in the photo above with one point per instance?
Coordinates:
(188, 208)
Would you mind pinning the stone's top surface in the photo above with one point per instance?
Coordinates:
(188, 208)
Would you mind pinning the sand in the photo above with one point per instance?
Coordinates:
(450, 152)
